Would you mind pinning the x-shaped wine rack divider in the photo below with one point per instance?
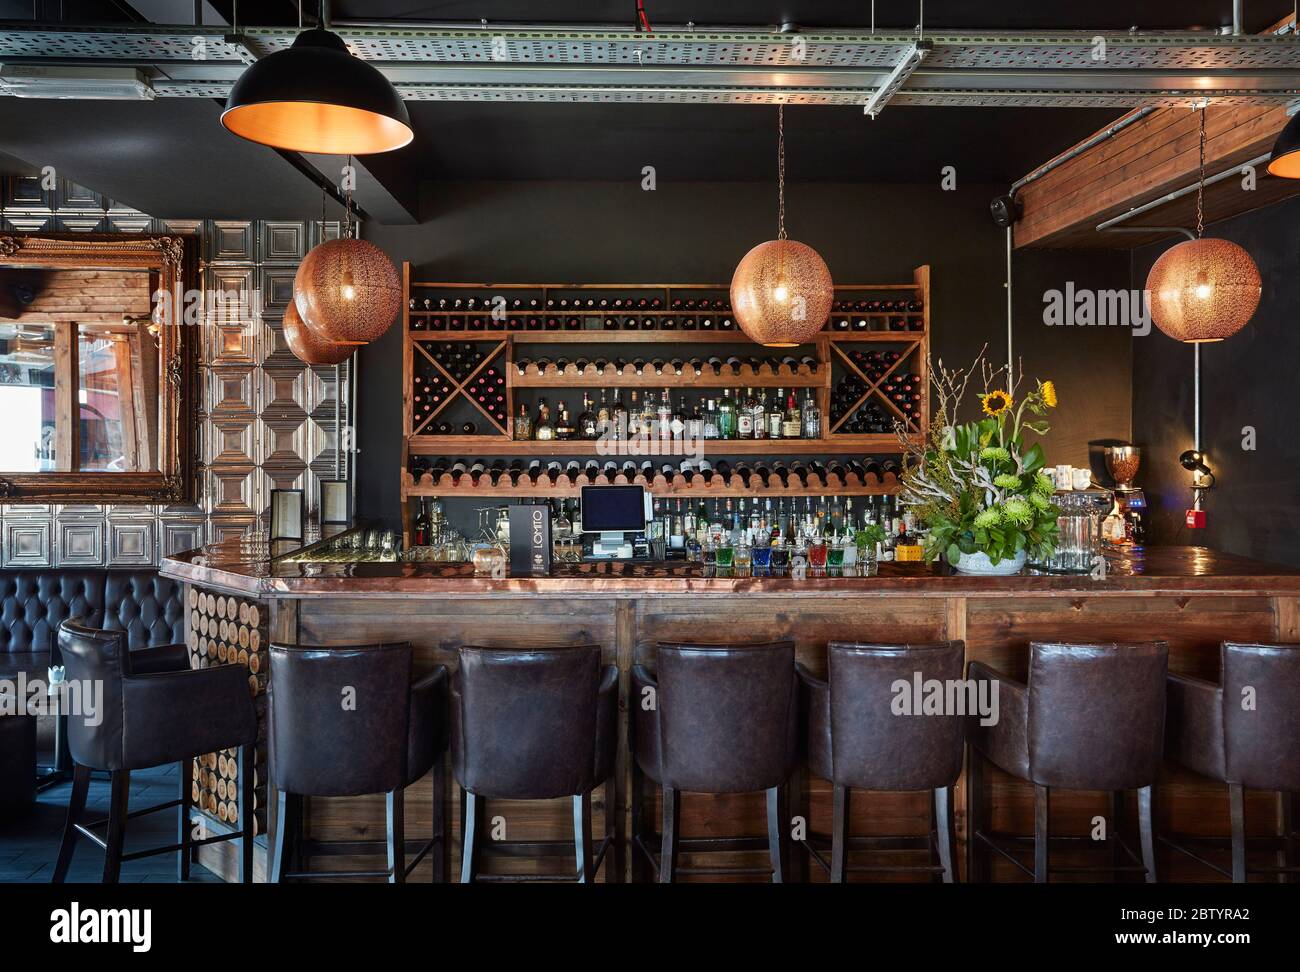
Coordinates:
(460, 386)
(873, 387)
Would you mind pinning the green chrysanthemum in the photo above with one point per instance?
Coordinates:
(1040, 502)
(986, 519)
(1007, 481)
(994, 454)
(1043, 484)
(1017, 511)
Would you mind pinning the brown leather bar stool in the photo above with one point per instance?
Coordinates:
(1242, 732)
(716, 719)
(347, 721)
(856, 739)
(534, 724)
(1090, 718)
(155, 710)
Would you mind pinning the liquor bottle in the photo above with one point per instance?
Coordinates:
(776, 417)
(602, 417)
(758, 409)
(745, 416)
(710, 427)
(633, 417)
(664, 416)
(812, 417)
(619, 423)
(792, 424)
(542, 428)
(422, 524)
(726, 416)
(564, 428)
(588, 427)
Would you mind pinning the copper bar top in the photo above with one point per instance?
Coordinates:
(234, 567)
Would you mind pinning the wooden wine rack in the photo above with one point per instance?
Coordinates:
(831, 348)
(228, 630)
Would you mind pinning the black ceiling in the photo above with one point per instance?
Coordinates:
(738, 142)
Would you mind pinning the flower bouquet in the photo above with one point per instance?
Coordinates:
(979, 490)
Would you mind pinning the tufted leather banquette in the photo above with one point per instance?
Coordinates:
(33, 603)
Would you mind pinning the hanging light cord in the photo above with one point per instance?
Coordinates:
(780, 171)
(1200, 187)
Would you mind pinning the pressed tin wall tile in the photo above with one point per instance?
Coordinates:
(266, 419)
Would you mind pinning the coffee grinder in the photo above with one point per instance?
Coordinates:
(1130, 502)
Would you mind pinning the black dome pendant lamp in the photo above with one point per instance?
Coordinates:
(317, 97)
(1285, 160)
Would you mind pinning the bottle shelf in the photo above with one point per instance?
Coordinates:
(679, 486)
(670, 336)
(745, 376)
(493, 446)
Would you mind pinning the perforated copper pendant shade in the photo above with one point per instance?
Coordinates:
(781, 293)
(308, 348)
(347, 291)
(1203, 290)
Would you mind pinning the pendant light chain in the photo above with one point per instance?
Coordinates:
(1200, 187)
(780, 170)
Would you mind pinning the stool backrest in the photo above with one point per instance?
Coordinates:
(1096, 714)
(889, 729)
(523, 721)
(1261, 715)
(728, 716)
(339, 718)
(93, 658)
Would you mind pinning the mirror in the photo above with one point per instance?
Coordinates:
(96, 366)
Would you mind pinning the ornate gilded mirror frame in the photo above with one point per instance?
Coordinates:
(171, 261)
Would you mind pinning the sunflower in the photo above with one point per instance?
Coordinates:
(995, 402)
(1049, 394)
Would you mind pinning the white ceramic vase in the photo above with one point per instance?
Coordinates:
(979, 563)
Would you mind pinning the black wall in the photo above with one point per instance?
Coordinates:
(1247, 380)
(697, 232)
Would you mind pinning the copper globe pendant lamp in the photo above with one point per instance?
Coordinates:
(781, 292)
(347, 291)
(1203, 290)
(306, 346)
(317, 97)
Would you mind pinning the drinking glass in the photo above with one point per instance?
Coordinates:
(709, 553)
(761, 555)
(835, 554)
(779, 557)
(817, 553)
(725, 553)
(741, 557)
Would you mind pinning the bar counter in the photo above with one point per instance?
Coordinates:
(1190, 597)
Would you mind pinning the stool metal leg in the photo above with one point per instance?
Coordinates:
(582, 838)
(1042, 831)
(439, 851)
(1237, 806)
(279, 851)
(76, 807)
(1113, 831)
(247, 817)
(944, 832)
(119, 802)
(396, 836)
(183, 825)
(470, 837)
(668, 842)
(778, 823)
(613, 852)
(975, 859)
(1288, 834)
(1147, 833)
(840, 803)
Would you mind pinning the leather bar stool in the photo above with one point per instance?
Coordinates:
(154, 710)
(856, 739)
(534, 724)
(1242, 731)
(1091, 717)
(716, 719)
(347, 721)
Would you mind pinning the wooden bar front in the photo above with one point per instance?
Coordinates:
(1190, 597)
